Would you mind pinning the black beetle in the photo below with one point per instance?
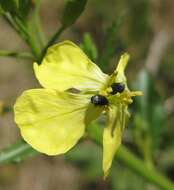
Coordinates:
(117, 87)
(99, 100)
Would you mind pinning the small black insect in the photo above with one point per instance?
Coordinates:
(99, 100)
(117, 87)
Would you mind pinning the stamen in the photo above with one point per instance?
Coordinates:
(136, 93)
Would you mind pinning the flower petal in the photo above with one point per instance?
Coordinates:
(112, 134)
(66, 66)
(52, 122)
(121, 67)
(118, 75)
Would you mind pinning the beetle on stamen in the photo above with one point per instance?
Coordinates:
(99, 100)
(117, 87)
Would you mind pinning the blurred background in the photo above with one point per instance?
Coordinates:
(105, 30)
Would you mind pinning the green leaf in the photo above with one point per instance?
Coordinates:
(138, 10)
(17, 152)
(1, 10)
(24, 8)
(150, 115)
(89, 47)
(89, 164)
(73, 9)
(9, 6)
(111, 42)
(19, 8)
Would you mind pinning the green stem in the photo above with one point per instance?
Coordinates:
(147, 151)
(16, 152)
(55, 36)
(21, 150)
(37, 24)
(22, 30)
(22, 55)
(29, 37)
(150, 174)
(52, 40)
(133, 162)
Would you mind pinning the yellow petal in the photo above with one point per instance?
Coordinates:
(66, 66)
(121, 67)
(119, 75)
(112, 135)
(52, 122)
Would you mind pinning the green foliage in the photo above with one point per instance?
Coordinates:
(9, 6)
(139, 19)
(111, 43)
(149, 117)
(24, 7)
(120, 173)
(89, 47)
(73, 9)
(88, 163)
(16, 152)
(16, 8)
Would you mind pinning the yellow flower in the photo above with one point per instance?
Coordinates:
(52, 119)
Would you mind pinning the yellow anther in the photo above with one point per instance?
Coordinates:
(103, 93)
(136, 93)
(109, 90)
(127, 100)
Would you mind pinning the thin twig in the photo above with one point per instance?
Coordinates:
(51, 41)
(21, 55)
(37, 23)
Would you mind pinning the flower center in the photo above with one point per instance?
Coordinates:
(101, 98)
